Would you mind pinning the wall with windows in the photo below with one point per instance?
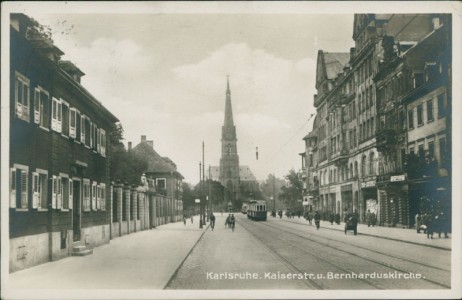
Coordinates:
(52, 164)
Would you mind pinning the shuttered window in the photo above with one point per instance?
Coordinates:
(72, 123)
(94, 205)
(19, 187)
(86, 195)
(22, 96)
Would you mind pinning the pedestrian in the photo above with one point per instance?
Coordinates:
(184, 219)
(212, 221)
(337, 218)
(192, 219)
(443, 225)
(317, 219)
(331, 219)
(228, 218)
(368, 218)
(373, 219)
(418, 220)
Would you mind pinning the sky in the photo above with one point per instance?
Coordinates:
(163, 75)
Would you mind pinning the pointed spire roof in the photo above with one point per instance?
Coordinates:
(229, 122)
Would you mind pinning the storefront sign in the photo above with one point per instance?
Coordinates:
(367, 184)
(198, 201)
(397, 178)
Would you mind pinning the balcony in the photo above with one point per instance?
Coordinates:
(341, 158)
(385, 137)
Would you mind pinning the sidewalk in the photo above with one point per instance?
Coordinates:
(142, 260)
(391, 233)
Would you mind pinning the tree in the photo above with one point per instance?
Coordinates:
(271, 189)
(188, 197)
(291, 193)
(125, 166)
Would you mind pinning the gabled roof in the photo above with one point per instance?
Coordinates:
(335, 62)
(156, 163)
(329, 65)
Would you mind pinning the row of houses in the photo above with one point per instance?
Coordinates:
(61, 198)
(381, 140)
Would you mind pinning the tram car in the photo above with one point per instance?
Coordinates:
(245, 206)
(257, 210)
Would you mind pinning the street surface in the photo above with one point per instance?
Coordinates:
(280, 254)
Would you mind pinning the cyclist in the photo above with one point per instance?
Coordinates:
(232, 221)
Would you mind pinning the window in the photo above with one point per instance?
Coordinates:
(401, 119)
(22, 96)
(86, 195)
(56, 115)
(39, 189)
(72, 123)
(87, 131)
(65, 118)
(102, 196)
(430, 111)
(363, 166)
(41, 107)
(411, 150)
(410, 119)
(57, 194)
(82, 128)
(94, 203)
(371, 164)
(103, 141)
(19, 179)
(66, 193)
(161, 183)
(419, 114)
(441, 105)
(431, 149)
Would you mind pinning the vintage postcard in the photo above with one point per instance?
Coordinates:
(230, 150)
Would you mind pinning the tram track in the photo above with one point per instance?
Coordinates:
(328, 244)
(372, 250)
(370, 283)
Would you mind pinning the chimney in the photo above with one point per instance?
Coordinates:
(143, 138)
(150, 143)
(129, 146)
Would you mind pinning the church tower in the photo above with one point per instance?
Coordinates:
(229, 162)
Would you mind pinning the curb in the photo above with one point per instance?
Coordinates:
(384, 237)
(184, 259)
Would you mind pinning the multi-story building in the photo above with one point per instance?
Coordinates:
(355, 152)
(414, 92)
(59, 158)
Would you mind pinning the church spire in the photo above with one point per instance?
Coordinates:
(229, 122)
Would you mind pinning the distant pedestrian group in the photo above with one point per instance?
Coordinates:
(431, 223)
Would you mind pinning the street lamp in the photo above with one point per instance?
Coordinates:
(200, 196)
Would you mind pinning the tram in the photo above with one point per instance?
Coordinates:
(244, 208)
(256, 210)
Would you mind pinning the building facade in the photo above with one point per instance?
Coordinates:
(59, 158)
(361, 151)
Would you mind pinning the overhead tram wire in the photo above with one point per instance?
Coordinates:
(290, 139)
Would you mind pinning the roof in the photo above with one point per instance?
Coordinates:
(335, 62)
(156, 163)
(245, 173)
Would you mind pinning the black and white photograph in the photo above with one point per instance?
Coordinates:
(230, 150)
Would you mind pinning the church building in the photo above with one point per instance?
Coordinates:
(238, 180)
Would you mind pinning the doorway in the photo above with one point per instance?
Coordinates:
(76, 210)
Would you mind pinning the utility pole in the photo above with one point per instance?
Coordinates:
(200, 196)
(210, 190)
(203, 180)
(274, 192)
